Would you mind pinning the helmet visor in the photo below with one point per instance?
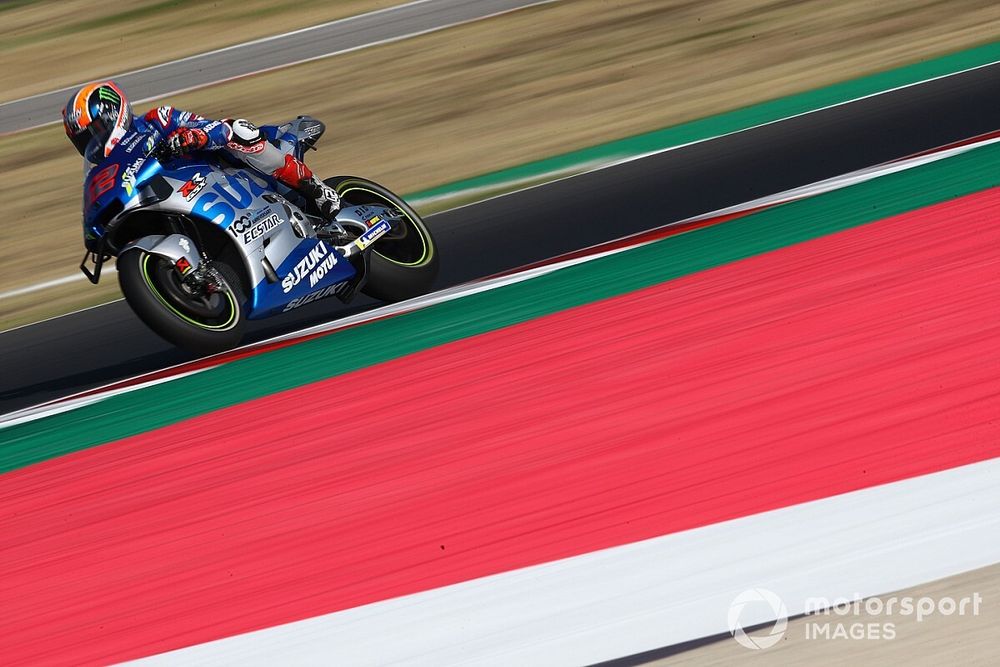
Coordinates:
(100, 129)
(94, 135)
(81, 139)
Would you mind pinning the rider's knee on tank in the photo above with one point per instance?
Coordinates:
(244, 133)
(251, 146)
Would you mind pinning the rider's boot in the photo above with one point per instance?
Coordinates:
(295, 174)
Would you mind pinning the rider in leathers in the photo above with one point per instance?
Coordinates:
(98, 115)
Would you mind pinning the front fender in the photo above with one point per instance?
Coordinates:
(178, 248)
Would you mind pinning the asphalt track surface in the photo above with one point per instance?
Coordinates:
(269, 53)
(93, 347)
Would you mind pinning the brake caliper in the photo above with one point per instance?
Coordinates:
(205, 280)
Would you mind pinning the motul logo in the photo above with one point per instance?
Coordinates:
(306, 265)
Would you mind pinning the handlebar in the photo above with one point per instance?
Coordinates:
(160, 150)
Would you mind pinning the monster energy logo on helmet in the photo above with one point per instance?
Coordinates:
(108, 95)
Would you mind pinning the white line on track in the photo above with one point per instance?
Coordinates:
(60, 316)
(48, 284)
(613, 161)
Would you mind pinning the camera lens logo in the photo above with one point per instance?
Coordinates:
(757, 597)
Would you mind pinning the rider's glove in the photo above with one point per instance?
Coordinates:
(185, 140)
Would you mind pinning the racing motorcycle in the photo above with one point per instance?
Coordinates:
(203, 243)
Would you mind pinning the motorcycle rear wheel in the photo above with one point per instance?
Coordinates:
(197, 323)
(404, 263)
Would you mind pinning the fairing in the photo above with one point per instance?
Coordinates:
(283, 261)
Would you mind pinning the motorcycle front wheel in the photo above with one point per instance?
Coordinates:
(404, 263)
(199, 323)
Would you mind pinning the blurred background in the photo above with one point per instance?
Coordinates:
(435, 108)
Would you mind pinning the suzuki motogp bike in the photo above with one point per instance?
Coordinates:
(203, 243)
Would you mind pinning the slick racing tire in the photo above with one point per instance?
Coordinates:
(199, 324)
(404, 263)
